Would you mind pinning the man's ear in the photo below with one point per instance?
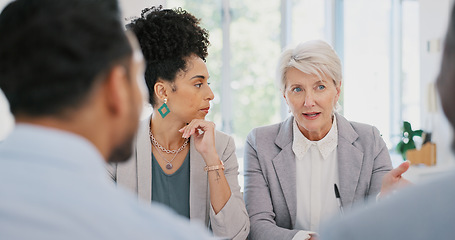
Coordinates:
(116, 90)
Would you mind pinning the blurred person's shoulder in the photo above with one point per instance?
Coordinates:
(422, 211)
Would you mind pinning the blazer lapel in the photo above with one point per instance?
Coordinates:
(199, 197)
(144, 161)
(284, 164)
(349, 161)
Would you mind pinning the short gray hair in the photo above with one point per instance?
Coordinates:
(313, 57)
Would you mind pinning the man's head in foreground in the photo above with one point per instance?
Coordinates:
(69, 65)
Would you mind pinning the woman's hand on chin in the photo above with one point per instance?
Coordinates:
(203, 133)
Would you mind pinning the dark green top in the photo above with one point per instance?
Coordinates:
(172, 190)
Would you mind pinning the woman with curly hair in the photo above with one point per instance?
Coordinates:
(180, 159)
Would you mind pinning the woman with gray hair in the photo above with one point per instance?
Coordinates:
(315, 163)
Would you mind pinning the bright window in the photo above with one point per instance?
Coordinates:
(366, 63)
(410, 101)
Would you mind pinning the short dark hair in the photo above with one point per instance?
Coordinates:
(51, 52)
(167, 38)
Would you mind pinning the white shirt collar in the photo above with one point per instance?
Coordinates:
(326, 145)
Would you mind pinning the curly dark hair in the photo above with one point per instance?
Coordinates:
(167, 38)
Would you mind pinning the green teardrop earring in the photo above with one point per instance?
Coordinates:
(164, 106)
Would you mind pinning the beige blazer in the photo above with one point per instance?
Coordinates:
(231, 222)
(270, 175)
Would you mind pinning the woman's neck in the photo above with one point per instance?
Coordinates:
(166, 131)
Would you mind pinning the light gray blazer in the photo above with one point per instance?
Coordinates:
(270, 175)
(231, 222)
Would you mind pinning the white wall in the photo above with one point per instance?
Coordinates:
(130, 8)
(3, 3)
(6, 119)
(434, 17)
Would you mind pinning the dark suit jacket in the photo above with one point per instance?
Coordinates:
(270, 175)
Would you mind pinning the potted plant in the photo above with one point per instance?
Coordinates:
(407, 141)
